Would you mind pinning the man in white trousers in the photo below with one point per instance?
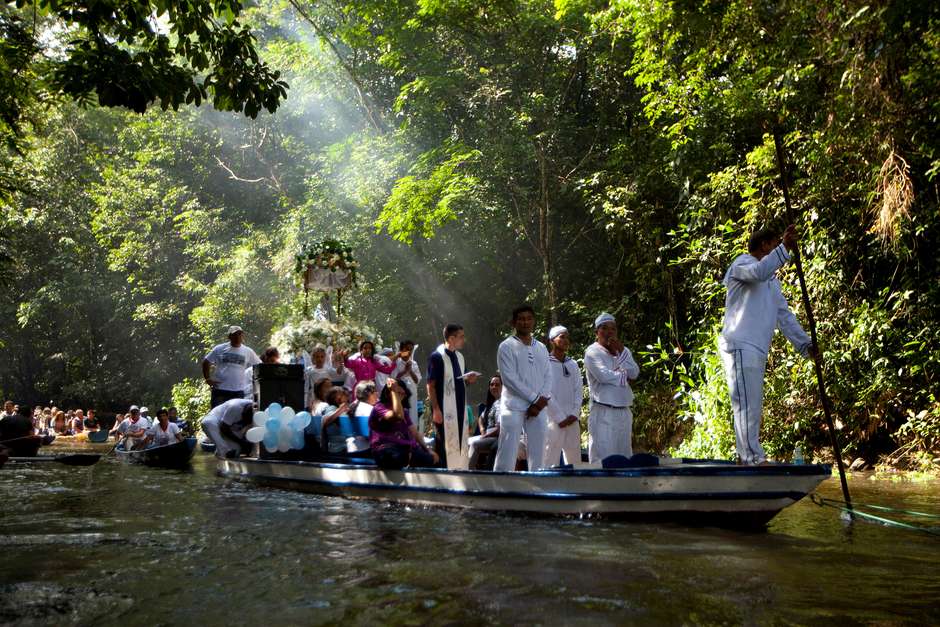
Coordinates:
(527, 388)
(226, 424)
(564, 408)
(610, 368)
(754, 307)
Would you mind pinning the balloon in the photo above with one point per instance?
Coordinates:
(270, 440)
(301, 420)
(297, 440)
(287, 414)
(255, 434)
(259, 418)
(274, 410)
(284, 437)
(272, 425)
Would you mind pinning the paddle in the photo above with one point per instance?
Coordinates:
(74, 459)
(820, 381)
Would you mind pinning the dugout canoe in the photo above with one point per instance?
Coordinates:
(692, 491)
(176, 455)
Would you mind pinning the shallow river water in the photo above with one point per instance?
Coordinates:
(117, 545)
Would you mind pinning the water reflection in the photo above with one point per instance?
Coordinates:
(113, 544)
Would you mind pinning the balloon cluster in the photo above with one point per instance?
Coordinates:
(279, 428)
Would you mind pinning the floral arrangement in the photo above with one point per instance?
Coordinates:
(306, 334)
(329, 254)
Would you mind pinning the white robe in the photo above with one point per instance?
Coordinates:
(567, 395)
(526, 377)
(610, 423)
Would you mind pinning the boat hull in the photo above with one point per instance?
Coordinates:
(709, 493)
(170, 456)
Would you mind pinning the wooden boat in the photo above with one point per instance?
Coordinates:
(176, 455)
(696, 491)
(97, 437)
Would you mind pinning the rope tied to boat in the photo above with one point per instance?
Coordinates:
(856, 510)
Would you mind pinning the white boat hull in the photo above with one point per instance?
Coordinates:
(708, 492)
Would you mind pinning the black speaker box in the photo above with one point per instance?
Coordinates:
(279, 383)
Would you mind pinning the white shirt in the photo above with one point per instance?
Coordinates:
(525, 373)
(161, 437)
(381, 377)
(230, 363)
(312, 375)
(755, 306)
(609, 375)
(126, 425)
(230, 412)
(567, 390)
(412, 384)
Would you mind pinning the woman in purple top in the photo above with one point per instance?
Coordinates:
(366, 364)
(394, 439)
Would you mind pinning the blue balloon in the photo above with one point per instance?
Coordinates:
(274, 410)
(272, 426)
(270, 440)
(297, 440)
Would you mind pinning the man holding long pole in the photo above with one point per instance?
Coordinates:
(754, 307)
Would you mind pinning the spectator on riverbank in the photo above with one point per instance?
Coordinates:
(223, 367)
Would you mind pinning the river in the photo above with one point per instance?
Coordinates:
(115, 545)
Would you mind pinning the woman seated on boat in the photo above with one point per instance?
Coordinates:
(163, 432)
(319, 401)
(336, 406)
(394, 439)
(484, 445)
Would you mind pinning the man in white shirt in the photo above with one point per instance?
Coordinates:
(610, 368)
(229, 361)
(133, 428)
(754, 307)
(564, 407)
(163, 432)
(226, 424)
(527, 389)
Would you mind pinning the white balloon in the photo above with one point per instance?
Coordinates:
(260, 418)
(284, 437)
(255, 434)
(269, 449)
(287, 414)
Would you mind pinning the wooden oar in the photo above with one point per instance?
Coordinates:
(74, 459)
(820, 380)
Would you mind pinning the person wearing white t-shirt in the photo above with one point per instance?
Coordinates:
(224, 366)
(321, 369)
(163, 432)
(133, 429)
(226, 424)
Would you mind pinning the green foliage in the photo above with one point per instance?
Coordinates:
(192, 397)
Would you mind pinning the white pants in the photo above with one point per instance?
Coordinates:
(744, 372)
(210, 426)
(511, 426)
(565, 440)
(610, 432)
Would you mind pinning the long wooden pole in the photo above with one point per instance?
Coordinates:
(807, 307)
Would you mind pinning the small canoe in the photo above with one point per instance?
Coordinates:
(693, 491)
(176, 455)
(98, 437)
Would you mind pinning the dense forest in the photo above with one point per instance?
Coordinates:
(582, 156)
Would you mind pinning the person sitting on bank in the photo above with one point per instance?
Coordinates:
(163, 432)
(226, 424)
(395, 441)
(488, 422)
(229, 361)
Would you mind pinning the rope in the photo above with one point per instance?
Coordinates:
(840, 505)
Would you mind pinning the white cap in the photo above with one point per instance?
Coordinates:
(134, 408)
(555, 332)
(601, 319)
(144, 410)
(232, 330)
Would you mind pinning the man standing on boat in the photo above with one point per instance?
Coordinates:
(564, 408)
(448, 397)
(230, 360)
(754, 307)
(610, 368)
(527, 388)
